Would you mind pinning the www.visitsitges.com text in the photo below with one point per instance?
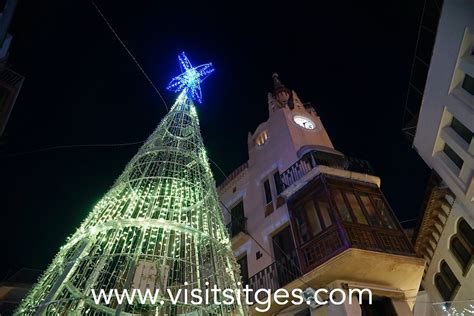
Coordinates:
(215, 295)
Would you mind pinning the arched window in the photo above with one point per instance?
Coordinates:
(462, 244)
(446, 282)
(466, 232)
(261, 138)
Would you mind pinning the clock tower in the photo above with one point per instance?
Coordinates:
(292, 129)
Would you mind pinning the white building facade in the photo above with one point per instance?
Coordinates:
(444, 140)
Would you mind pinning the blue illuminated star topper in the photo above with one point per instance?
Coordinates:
(190, 78)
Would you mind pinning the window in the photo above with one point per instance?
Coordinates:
(268, 191)
(278, 183)
(369, 208)
(446, 282)
(460, 251)
(325, 213)
(383, 212)
(468, 84)
(261, 138)
(302, 227)
(461, 130)
(238, 219)
(462, 244)
(285, 256)
(313, 220)
(341, 206)
(238, 209)
(244, 270)
(363, 208)
(356, 209)
(453, 156)
(466, 232)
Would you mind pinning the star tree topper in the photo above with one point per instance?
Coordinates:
(190, 78)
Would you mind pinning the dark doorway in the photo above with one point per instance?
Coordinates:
(286, 259)
(244, 269)
(305, 312)
(379, 306)
(237, 219)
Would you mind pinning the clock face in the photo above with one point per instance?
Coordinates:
(304, 122)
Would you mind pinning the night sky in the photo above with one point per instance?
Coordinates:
(352, 60)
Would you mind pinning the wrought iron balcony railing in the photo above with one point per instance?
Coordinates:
(318, 158)
(276, 275)
(237, 226)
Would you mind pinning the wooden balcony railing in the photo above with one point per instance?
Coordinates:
(321, 248)
(325, 246)
(331, 242)
(378, 239)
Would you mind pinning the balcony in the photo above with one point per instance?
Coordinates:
(343, 229)
(236, 227)
(325, 246)
(314, 159)
(276, 275)
(237, 230)
(335, 240)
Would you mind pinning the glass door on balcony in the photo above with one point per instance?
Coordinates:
(237, 219)
(285, 256)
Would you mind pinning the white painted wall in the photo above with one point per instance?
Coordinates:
(442, 252)
(444, 98)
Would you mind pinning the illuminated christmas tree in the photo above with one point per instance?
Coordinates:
(159, 227)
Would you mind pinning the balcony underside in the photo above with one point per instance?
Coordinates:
(239, 239)
(386, 274)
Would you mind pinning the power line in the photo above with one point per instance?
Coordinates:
(271, 256)
(409, 220)
(101, 145)
(130, 54)
(70, 146)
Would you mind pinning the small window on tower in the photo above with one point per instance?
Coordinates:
(261, 138)
(268, 192)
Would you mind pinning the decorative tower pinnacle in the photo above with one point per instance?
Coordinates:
(277, 84)
(280, 92)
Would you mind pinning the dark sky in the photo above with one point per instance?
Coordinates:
(350, 59)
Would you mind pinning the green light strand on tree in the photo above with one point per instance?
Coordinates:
(159, 226)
